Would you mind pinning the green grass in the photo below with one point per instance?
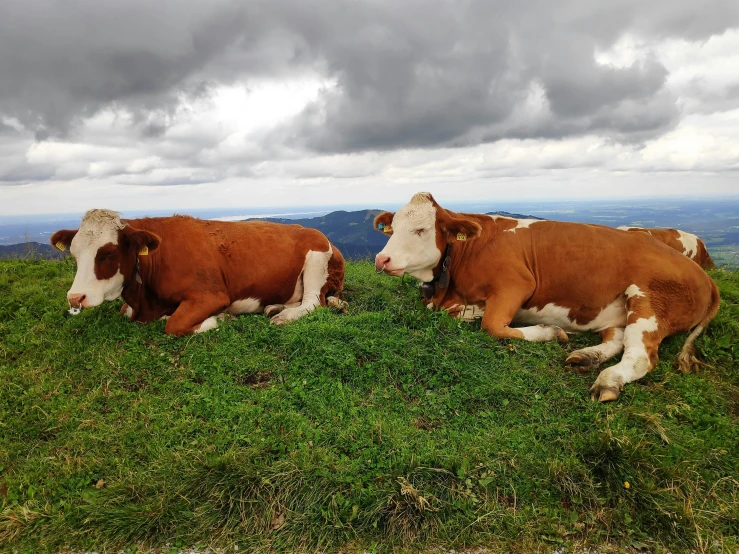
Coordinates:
(388, 427)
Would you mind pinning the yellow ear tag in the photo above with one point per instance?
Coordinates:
(144, 251)
(61, 246)
(461, 236)
(387, 230)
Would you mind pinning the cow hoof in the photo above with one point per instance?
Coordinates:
(127, 311)
(223, 316)
(582, 361)
(604, 394)
(273, 310)
(561, 335)
(337, 304)
(279, 319)
(289, 315)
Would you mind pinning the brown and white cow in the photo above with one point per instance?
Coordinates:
(686, 243)
(195, 270)
(551, 278)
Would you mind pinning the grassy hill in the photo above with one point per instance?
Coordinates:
(388, 427)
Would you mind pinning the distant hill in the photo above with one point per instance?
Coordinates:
(515, 216)
(30, 251)
(353, 232)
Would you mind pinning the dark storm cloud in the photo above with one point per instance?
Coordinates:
(417, 73)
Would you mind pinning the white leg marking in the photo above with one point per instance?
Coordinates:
(635, 362)
(593, 356)
(315, 274)
(274, 309)
(129, 312)
(245, 306)
(541, 333)
(207, 325)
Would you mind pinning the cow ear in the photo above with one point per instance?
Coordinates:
(384, 222)
(62, 239)
(460, 228)
(141, 241)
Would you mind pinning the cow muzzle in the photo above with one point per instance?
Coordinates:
(380, 262)
(76, 303)
(382, 265)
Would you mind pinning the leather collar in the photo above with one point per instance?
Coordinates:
(441, 280)
(134, 275)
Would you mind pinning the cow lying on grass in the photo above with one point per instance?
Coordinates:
(551, 278)
(687, 244)
(194, 270)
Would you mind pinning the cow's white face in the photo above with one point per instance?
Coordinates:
(418, 235)
(101, 259)
(412, 247)
(95, 247)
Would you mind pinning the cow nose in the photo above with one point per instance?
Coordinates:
(381, 261)
(76, 300)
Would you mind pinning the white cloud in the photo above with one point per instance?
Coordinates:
(231, 144)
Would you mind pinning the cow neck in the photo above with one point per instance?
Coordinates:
(135, 276)
(441, 279)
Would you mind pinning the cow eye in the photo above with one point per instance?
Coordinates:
(420, 232)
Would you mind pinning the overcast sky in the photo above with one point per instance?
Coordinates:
(134, 104)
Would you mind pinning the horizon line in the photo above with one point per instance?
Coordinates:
(360, 206)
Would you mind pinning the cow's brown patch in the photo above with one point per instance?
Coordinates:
(107, 261)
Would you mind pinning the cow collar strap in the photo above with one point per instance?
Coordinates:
(442, 279)
(134, 275)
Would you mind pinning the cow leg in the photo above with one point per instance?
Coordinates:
(274, 309)
(471, 312)
(196, 315)
(314, 277)
(593, 356)
(642, 337)
(499, 312)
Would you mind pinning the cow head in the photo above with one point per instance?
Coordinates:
(106, 251)
(419, 233)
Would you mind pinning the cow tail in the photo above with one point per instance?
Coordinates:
(686, 360)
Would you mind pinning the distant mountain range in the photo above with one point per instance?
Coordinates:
(30, 251)
(352, 232)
